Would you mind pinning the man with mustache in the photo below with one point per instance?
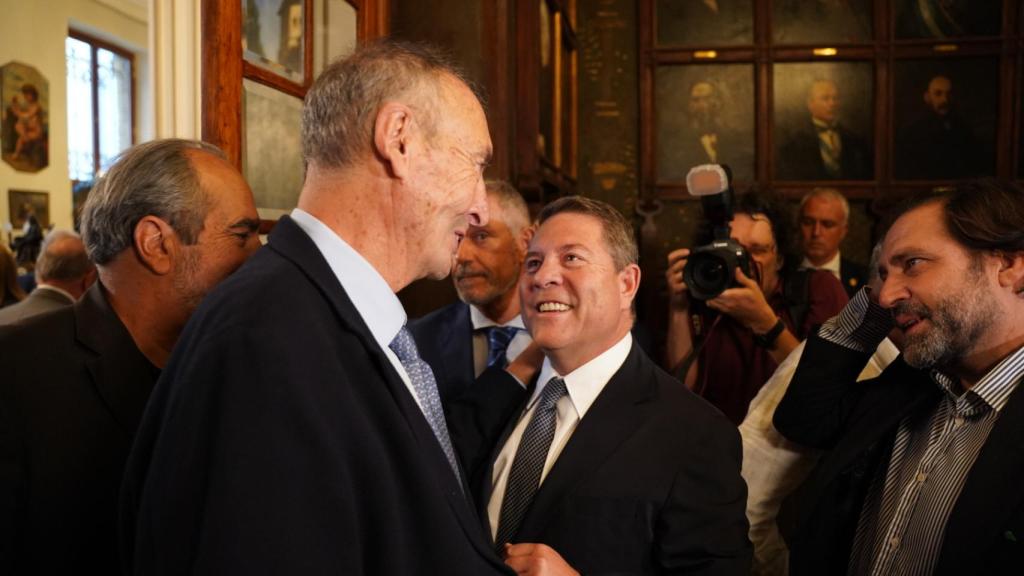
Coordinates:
(484, 328)
(924, 467)
(938, 143)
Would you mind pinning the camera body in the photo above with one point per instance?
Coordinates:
(711, 269)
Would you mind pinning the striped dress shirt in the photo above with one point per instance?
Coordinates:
(903, 518)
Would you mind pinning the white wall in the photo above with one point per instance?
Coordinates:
(33, 32)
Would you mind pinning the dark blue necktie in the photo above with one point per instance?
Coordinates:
(532, 453)
(422, 378)
(498, 339)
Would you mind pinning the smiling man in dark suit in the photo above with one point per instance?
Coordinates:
(484, 328)
(170, 219)
(925, 465)
(296, 430)
(610, 466)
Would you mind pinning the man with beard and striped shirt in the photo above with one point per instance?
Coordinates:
(924, 472)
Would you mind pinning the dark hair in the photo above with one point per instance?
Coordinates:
(981, 215)
(9, 277)
(618, 233)
(780, 216)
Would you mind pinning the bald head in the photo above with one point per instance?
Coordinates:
(63, 263)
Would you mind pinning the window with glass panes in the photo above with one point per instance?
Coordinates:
(101, 105)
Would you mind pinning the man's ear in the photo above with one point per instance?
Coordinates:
(391, 136)
(156, 244)
(1011, 270)
(523, 241)
(629, 283)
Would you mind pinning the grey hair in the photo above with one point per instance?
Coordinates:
(831, 194)
(156, 178)
(516, 213)
(62, 257)
(341, 107)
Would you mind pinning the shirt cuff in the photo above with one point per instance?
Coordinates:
(861, 326)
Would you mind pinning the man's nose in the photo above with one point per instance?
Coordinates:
(479, 214)
(891, 291)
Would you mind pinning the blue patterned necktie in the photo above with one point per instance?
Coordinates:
(498, 339)
(422, 378)
(532, 453)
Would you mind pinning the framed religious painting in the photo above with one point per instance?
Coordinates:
(24, 117)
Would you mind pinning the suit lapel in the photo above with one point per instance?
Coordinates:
(457, 345)
(615, 415)
(292, 243)
(990, 494)
(122, 376)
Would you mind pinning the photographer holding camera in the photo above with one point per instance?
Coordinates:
(730, 329)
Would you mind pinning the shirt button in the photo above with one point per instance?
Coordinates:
(921, 477)
(958, 421)
(894, 542)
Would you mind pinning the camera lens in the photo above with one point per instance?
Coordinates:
(709, 275)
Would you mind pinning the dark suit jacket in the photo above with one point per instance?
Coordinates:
(38, 302)
(857, 422)
(281, 440)
(445, 340)
(649, 482)
(852, 275)
(799, 157)
(72, 392)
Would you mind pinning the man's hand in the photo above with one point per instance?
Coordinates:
(536, 559)
(746, 304)
(527, 364)
(679, 297)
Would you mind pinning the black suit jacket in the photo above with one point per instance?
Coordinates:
(852, 275)
(72, 391)
(39, 301)
(445, 340)
(281, 440)
(857, 422)
(799, 157)
(649, 482)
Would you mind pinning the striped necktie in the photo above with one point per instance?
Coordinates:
(498, 339)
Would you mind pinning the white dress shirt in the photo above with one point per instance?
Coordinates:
(832, 266)
(481, 345)
(584, 384)
(366, 288)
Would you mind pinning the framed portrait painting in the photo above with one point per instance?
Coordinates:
(24, 113)
(275, 39)
(944, 115)
(704, 114)
(823, 121)
(23, 203)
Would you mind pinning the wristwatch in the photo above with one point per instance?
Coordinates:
(767, 340)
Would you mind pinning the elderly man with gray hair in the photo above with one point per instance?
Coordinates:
(297, 429)
(63, 273)
(170, 219)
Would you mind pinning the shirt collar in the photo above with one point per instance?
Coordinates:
(586, 382)
(379, 307)
(832, 265)
(60, 291)
(480, 321)
(822, 125)
(994, 389)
